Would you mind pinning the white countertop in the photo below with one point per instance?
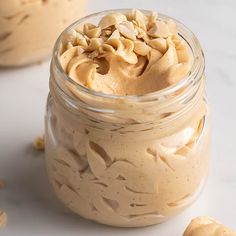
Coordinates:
(28, 200)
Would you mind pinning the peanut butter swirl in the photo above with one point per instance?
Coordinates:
(122, 161)
(126, 54)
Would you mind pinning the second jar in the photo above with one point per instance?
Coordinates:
(29, 28)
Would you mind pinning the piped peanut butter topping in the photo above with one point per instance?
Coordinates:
(126, 54)
(125, 167)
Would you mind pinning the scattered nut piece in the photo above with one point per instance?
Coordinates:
(112, 19)
(81, 40)
(92, 31)
(3, 219)
(138, 18)
(159, 43)
(127, 29)
(205, 226)
(107, 32)
(141, 48)
(94, 44)
(142, 34)
(39, 143)
(159, 29)
(152, 19)
(115, 35)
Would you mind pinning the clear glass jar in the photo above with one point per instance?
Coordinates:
(29, 28)
(127, 160)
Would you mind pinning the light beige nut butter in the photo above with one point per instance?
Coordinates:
(127, 128)
(29, 28)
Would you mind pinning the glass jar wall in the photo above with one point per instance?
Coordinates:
(128, 161)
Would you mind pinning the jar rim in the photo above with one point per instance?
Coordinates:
(196, 71)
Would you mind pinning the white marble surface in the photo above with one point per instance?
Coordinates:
(27, 198)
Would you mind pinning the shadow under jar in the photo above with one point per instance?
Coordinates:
(128, 161)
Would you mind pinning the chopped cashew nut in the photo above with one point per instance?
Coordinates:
(126, 28)
(39, 143)
(160, 29)
(112, 19)
(92, 31)
(205, 226)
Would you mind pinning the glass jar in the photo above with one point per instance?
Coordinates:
(29, 28)
(127, 161)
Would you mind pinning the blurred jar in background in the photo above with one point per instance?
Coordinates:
(29, 28)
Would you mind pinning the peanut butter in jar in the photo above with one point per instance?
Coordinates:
(127, 122)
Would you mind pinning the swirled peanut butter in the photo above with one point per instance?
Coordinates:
(206, 226)
(120, 162)
(29, 28)
(130, 54)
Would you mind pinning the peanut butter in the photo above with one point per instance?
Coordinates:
(118, 160)
(131, 54)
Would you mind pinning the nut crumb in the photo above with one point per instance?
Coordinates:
(3, 219)
(39, 143)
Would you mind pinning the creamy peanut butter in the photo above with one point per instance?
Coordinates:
(130, 54)
(206, 226)
(118, 161)
(29, 28)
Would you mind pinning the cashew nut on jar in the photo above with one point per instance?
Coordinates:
(29, 28)
(127, 124)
